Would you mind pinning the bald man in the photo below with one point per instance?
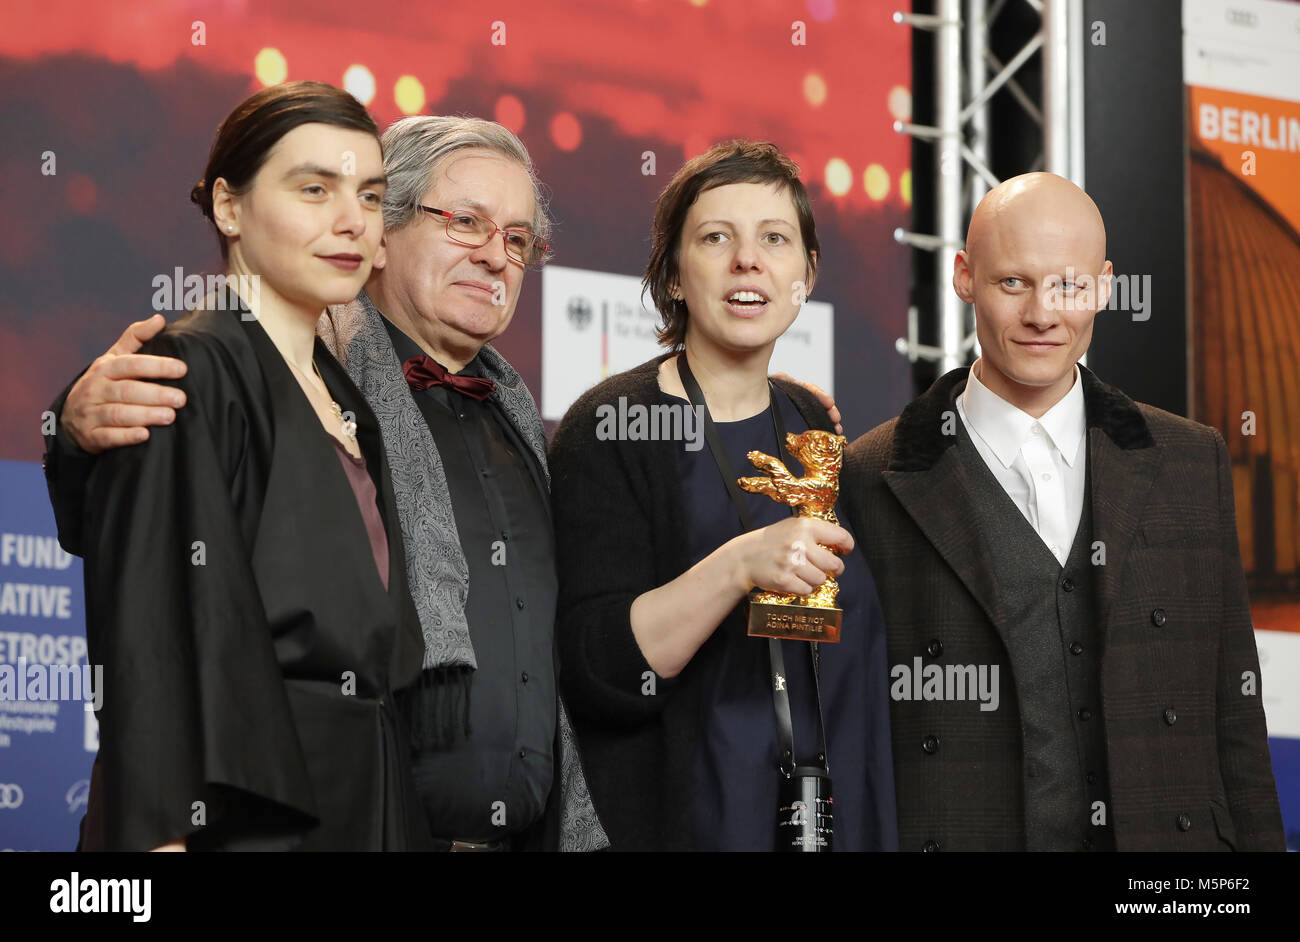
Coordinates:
(1073, 663)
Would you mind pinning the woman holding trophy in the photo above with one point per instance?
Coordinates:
(696, 733)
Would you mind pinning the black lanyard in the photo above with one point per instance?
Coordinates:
(780, 696)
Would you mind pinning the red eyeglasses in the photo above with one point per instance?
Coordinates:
(472, 230)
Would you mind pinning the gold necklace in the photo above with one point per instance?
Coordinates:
(347, 426)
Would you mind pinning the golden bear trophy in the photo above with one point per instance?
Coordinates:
(812, 617)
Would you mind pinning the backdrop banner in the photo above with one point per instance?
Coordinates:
(108, 112)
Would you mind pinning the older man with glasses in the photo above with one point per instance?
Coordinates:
(496, 764)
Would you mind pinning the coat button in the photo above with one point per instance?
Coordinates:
(519, 603)
(929, 847)
(1171, 717)
(930, 745)
(1158, 618)
(524, 676)
(934, 648)
(1091, 778)
(1184, 823)
(1076, 648)
(1067, 585)
(1085, 714)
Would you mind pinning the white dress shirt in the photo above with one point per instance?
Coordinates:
(1040, 463)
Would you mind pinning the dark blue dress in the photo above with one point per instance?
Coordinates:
(736, 769)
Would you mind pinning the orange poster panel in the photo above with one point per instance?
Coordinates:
(1244, 204)
(1258, 138)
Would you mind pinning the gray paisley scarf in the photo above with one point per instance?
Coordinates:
(435, 563)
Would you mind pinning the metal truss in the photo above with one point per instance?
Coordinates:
(962, 173)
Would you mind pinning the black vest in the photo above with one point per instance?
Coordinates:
(1054, 642)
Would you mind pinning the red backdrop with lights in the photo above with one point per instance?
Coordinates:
(109, 110)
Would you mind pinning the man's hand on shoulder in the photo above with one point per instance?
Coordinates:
(825, 398)
(110, 406)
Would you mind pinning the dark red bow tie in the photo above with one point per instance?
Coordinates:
(424, 371)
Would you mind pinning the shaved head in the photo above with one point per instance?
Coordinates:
(1037, 209)
(1035, 270)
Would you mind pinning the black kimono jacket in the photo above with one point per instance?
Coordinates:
(250, 649)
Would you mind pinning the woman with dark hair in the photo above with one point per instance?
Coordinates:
(245, 584)
(675, 707)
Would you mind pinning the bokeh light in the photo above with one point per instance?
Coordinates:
(82, 193)
(566, 132)
(408, 93)
(270, 66)
(875, 180)
(509, 112)
(814, 89)
(839, 178)
(900, 103)
(821, 10)
(359, 82)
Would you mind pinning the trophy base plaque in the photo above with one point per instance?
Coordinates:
(794, 622)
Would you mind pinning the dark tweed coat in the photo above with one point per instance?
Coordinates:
(1188, 753)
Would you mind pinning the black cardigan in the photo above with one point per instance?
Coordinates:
(620, 532)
